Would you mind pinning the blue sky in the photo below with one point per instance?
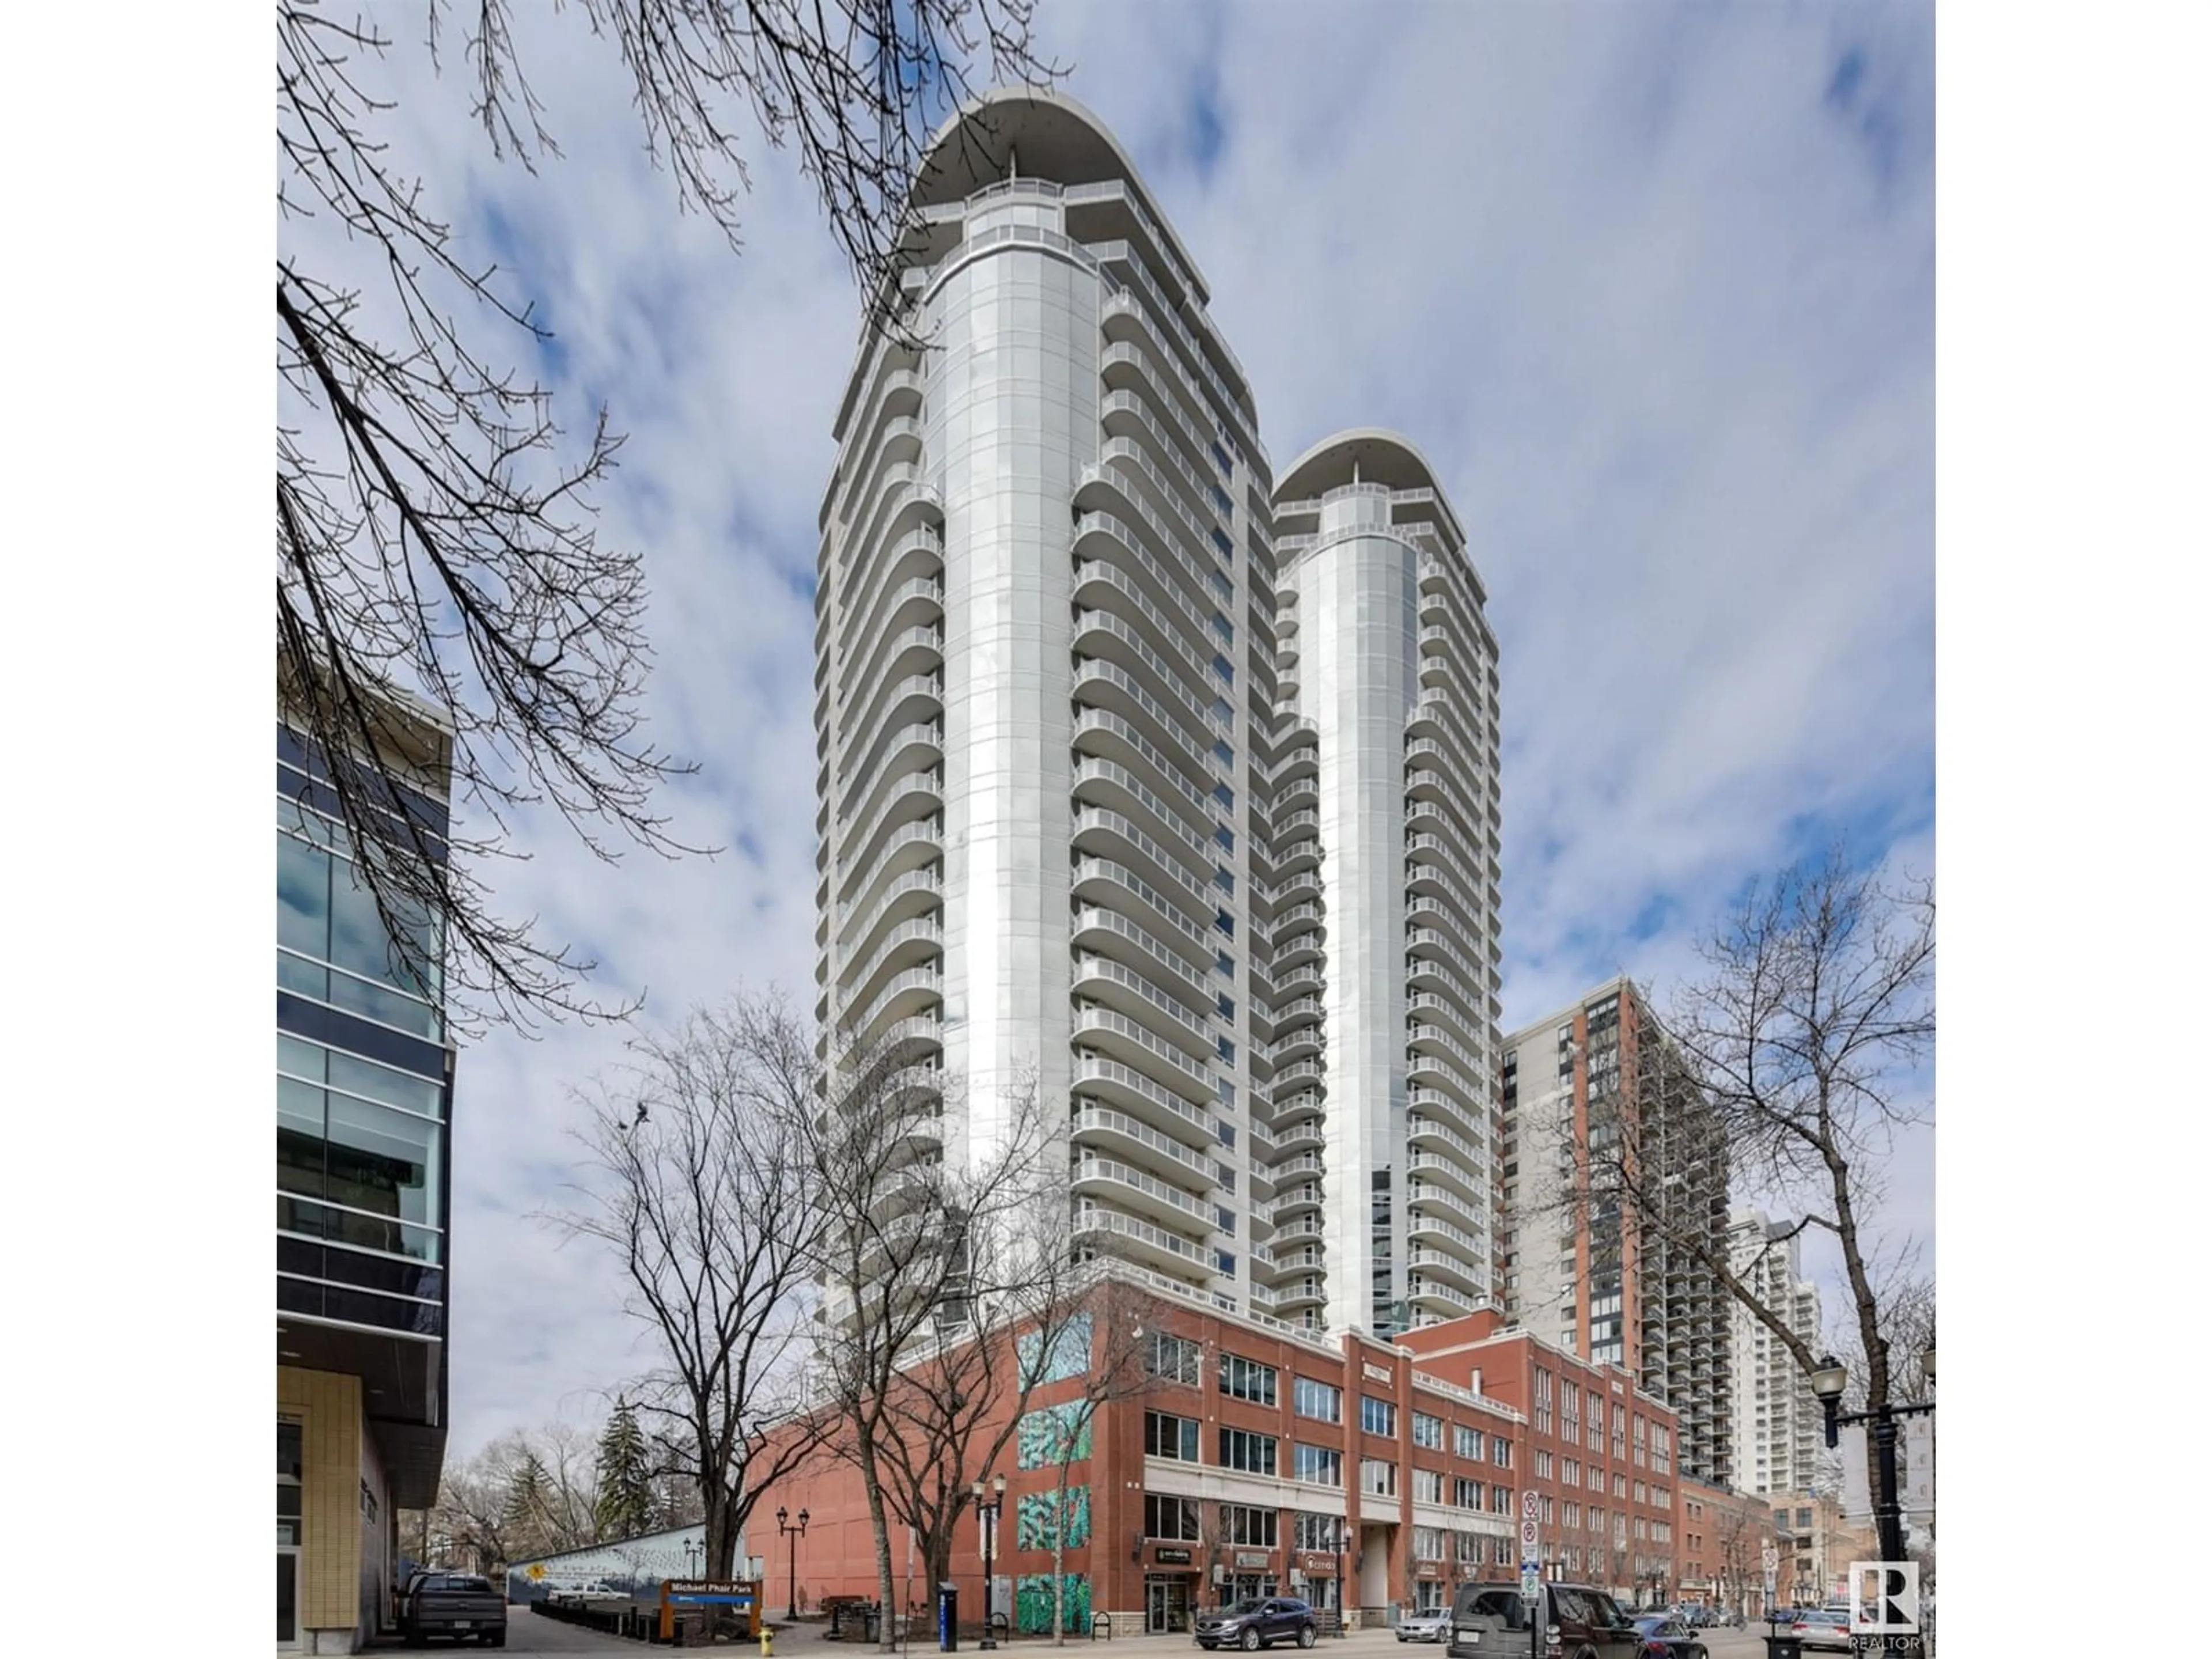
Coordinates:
(1652, 287)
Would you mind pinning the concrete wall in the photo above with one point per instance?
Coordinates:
(328, 1408)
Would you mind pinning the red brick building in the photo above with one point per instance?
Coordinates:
(1250, 1443)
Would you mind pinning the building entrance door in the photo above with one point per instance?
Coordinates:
(1167, 1605)
(288, 1597)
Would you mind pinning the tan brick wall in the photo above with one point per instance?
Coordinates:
(328, 1408)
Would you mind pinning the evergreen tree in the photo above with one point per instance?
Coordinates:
(528, 1504)
(627, 1505)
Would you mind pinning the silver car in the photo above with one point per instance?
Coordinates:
(1427, 1624)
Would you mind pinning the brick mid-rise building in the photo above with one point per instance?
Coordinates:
(1248, 1446)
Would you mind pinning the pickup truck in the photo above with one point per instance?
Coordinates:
(460, 1605)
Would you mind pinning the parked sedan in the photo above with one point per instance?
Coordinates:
(1823, 1629)
(1664, 1637)
(1257, 1623)
(1428, 1625)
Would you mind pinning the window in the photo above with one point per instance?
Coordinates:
(1543, 1466)
(1248, 1379)
(1428, 1543)
(1501, 1500)
(1467, 1443)
(1311, 1531)
(1574, 1516)
(1466, 1494)
(1241, 1449)
(1171, 1436)
(1428, 1432)
(1242, 1523)
(1619, 1485)
(1379, 1416)
(1805, 1519)
(1428, 1486)
(1319, 1401)
(1543, 1392)
(1501, 1551)
(1571, 1409)
(1319, 1466)
(1175, 1358)
(1501, 1451)
(288, 1469)
(1596, 1478)
(1172, 1518)
(1570, 1471)
(1379, 1477)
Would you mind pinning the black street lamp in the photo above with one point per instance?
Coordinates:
(1341, 1541)
(1829, 1378)
(694, 1553)
(988, 1497)
(795, 1530)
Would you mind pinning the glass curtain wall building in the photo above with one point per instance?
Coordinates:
(364, 1106)
(1044, 693)
(1386, 819)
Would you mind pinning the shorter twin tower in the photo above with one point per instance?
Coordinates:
(1149, 780)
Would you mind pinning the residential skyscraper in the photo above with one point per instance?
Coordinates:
(1776, 1419)
(1385, 819)
(1581, 1085)
(1044, 688)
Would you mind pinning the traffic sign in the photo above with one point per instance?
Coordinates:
(1769, 1559)
(1528, 1540)
(1531, 1585)
(1532, 1505)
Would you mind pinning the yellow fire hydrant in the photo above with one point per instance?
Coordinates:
(768, 1642)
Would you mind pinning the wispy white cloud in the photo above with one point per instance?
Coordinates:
(1652, 287)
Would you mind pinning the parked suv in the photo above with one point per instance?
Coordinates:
(460, 1605)
(1490, 1621)
(1258, 1624)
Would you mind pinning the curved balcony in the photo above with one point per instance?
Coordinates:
(904, 995)
(1303, 1229)
(1103, 584)
(1301, 1042)
(1116, 1036)
(900, 500)
(1179, 500)
(1429, 1196)
(1102, 732)
(890, 704)
(1288, 1014)
(1136, 359)
(1110, 934)
(1109, 884)
(1299, 1071)
(1123, 1134)
(1134, 416)
(912, 599)
(1108, 982)
(919, 1041)
(1125, 1088)
(1098, 683)
(1139, 1192)
(1448, 1014)
(1301, 981)
(1433, 1295)
(1144, 1243)
(1432, 1225)
(909, 944)
(1299, 948)
(1113, 526)
(1304, 1135)
(1432, 1121)
(1450, 1079)
(1107, 783)
(1101, 832)
(886, 903)
(912, 796)
(1468, 1182)
(1104, 636)
(1307, 1196)
(916, 846)
(1296, 1295)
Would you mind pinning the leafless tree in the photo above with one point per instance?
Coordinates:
(1095, 1310)
(524, 1494)
(1799, 1045)
(701, 1185)
(921, 1226)
(434, 522)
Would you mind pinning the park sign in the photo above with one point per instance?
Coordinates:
(742, 1595)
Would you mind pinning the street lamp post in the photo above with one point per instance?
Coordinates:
(694, 1552)
(987, 1502)
(1339, 1580)
(1829, 1378)
(796, 1530)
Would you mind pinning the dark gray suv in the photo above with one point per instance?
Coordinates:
(1490, 1621)
(1258, 1623)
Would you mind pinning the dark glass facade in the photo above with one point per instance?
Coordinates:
(364, 1095)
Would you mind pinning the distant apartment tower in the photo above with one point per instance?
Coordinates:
(1045, 704)
(1581, 1082)
(1385, 890)
(1777, 1421)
